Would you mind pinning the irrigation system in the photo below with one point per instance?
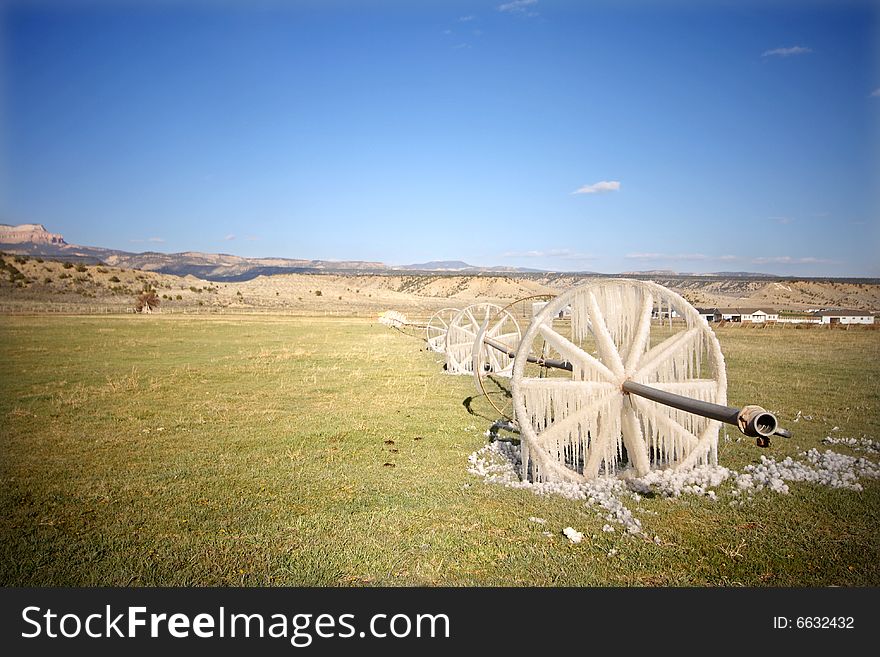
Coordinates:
(615, 377)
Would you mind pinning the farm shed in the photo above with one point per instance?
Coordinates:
(842, 316)
(754, 315)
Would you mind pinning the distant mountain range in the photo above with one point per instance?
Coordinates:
(34, 239)
(718, 274)
(460, 267)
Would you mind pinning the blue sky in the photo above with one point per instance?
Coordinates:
(569, 136)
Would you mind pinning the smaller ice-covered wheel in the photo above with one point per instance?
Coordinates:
(494, 390)
(465, 328)
(437, 327)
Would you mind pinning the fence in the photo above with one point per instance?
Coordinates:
(84, 309)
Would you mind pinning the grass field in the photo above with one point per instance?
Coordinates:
(268, 451)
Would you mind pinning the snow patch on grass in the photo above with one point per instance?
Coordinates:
(573, 535)
(858, 444)
(499, 463)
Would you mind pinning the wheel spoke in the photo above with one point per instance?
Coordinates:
(509, 340)
(562, 427)
(492, 356)
(643, 334)
(599, 444)
(663, 352)
(574, 354)
(497, 326)
(665, 422)
(604, 341)
(634, 440)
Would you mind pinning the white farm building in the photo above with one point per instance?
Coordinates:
(754, 315)
(845, 317)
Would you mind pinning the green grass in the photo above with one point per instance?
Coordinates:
(258, 451)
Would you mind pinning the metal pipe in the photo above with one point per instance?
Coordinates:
(544, 362)
(751, 420)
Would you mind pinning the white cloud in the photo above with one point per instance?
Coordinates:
(229, 237)
(599, 187)
(786, 52)
(466, 19)
(518, 6)
(875, 93)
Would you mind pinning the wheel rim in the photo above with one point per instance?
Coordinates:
(580, 424)
(463, 332)
(437, 327)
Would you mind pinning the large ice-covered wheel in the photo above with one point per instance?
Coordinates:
(461, 338)
(577, 424)
(437, 327)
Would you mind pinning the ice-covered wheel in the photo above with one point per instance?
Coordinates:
(437, 327)
(577, 424)
(461, 338)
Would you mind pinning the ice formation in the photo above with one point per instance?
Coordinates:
(437, 327)
(498, 463)
(582, 426)
(462, 335)
(573, 535)
(392, 318)
(858, 444)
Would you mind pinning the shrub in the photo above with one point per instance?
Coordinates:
(40, 260)
(101, 270)
(21, 259)
(317, 293)
(81, 267)
(114, 279)
(178, 297)
(12, 270)
(68, 265)
(63, 275)
(146, 300)
(47, 280)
